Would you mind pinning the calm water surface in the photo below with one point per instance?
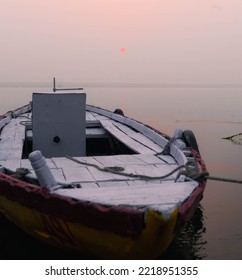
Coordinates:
(215, 231)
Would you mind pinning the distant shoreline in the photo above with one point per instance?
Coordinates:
(119, 85)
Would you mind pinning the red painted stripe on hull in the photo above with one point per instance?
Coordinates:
(123, 221)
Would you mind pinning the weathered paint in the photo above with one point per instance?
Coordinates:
(87, 213)
(150, 243)
(92, 228)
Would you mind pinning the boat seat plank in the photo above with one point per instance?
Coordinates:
(124, 138)
(95, 132)
(90, 133)
(138, 137)
(137, 195)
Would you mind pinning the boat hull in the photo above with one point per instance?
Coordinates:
(150, 243)
(120, 230)
(110, 234)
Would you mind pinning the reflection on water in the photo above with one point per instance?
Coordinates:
(189, 243)
(236, 139)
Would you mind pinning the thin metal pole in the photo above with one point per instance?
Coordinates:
(55, 89)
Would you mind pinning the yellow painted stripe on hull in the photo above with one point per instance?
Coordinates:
(152, 242)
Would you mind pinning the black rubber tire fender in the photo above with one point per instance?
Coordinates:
(190, 139)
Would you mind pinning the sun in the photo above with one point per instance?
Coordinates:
(122, 50)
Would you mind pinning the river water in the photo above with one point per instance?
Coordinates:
(212, 113)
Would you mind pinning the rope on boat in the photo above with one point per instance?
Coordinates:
(119, 170)
(224, 179)
(205, 176)
(183, 170)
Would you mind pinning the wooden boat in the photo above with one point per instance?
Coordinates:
(90, 180)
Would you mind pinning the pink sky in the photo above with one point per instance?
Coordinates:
(176, 41)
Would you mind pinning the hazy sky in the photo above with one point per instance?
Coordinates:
(175, 41)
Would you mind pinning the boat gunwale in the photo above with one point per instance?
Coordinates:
(133, 219)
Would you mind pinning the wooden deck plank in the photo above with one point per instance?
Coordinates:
(139, 137)
(152, 170)
(139, 182)
(132, 165)
(105, 176)
(124, 138)
(77, 174)
(89, 185)
(11, 149)
(13, 130)
(58, 175)
(118, 160)
(114, 184)
(12, 138)
(143, 195)
(63, 162)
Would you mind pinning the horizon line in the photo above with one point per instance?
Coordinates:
(123, 84)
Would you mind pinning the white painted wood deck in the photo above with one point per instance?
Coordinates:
(12, 138)
(71, 171)
(164, 197)
(105, 187)
(138, 195)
